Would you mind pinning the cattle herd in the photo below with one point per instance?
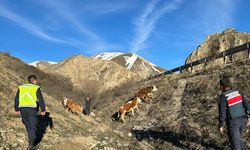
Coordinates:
(132, 104)
(129, 106)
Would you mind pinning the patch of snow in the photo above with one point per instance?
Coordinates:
(148, 62)
(155, 69)
(108, 56)
(130, 61)
(52, 62)
(143, 64)
(36, 62)
(151, 65)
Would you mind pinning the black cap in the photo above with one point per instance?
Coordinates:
(31, 78)
(225, 82)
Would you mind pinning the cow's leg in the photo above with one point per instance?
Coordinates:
(132, 109)
(70, 110)
(150, 95)
(122, 116)
(73, 111)
(137, 109)
(76, 112)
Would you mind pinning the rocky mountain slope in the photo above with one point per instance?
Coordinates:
(219, 42)
(78, 132)
(132, 62)
(182, 115)
(85, 70)
(184, 111)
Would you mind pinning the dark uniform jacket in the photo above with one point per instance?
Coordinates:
(233, 104)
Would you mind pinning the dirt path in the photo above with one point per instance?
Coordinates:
(176, 99)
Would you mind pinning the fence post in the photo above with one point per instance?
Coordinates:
(248, 50)
(224, 57)
(229, 52)
(205, 61)
(191, 67)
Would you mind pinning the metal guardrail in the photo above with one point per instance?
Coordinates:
(241, 48)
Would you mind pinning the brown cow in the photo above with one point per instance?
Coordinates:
(146, 92)
(72, 106)
(127, 107)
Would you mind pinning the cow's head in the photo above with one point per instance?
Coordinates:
(64, 101)
(154, 88)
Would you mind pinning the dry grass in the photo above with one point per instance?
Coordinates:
(193, 124)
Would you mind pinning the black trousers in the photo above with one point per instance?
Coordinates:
(235, 128)
(87, 108)
(30, 120)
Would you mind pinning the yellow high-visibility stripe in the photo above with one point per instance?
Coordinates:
(27, 95)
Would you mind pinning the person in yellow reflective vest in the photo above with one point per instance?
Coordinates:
(27, 102)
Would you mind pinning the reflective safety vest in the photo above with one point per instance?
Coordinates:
(27, 95)
(235, 105)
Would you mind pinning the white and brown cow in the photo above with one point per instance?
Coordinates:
(72, 106)
(129, 106)
(146, 92)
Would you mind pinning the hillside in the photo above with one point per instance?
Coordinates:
(183, 113)
(85, 71)
(78, 132)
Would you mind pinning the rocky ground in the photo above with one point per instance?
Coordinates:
(78, 132)
(182, 115)
(184, 111)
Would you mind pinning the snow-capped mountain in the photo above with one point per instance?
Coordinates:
(42, 64)
(132, 62)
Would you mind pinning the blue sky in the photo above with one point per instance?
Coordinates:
(162, 31)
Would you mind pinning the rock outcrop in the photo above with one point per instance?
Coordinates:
(217, 43)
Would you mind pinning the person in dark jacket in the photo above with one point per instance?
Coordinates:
(27, 102)
(87, 106)
(234, 110)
